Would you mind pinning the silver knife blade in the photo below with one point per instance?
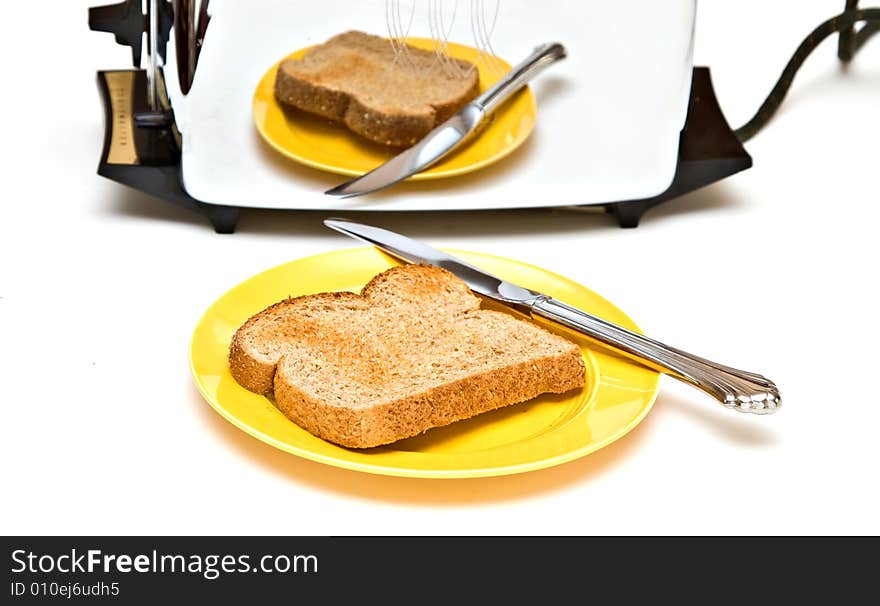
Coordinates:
(435, 145)
(412, 251)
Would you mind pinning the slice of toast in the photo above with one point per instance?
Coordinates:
(411, 352)
(357, 79)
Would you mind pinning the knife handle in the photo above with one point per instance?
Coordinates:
(738, 389)
(541, 58)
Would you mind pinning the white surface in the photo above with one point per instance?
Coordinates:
(103, 431)
(609, 115)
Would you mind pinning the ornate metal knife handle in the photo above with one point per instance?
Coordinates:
(738, 389)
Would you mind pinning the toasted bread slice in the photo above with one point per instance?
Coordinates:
(354, 78)
(411, 352)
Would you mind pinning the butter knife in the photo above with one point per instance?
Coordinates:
(449, 135)
(737, 389)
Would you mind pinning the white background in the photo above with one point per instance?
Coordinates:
(773, 270)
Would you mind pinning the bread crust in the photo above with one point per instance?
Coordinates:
(398, 419)
(344, 100)
(412, 413)
(258, 374)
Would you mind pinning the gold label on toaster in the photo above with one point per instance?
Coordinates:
(122, 148)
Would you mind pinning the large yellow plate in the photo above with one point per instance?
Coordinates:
(546, 431)
(321, 144)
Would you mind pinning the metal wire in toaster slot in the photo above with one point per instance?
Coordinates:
(483, 35)
(397, 33)
(440, 34)
(442, 16)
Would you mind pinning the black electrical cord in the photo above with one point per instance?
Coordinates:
(850, 42)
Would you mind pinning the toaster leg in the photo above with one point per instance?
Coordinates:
(628, 214)
(222, 218)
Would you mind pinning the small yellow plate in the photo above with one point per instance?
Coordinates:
(542, 432)
(330, 147)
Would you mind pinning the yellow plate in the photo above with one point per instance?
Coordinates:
(321, 144)
(546, 431)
